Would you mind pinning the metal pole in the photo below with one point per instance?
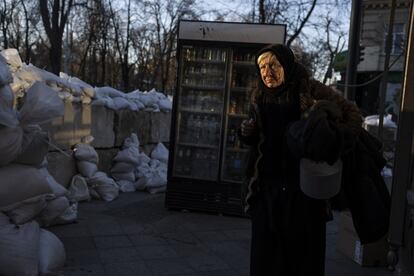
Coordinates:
(403, 154)
(384, 79)
(353, 46)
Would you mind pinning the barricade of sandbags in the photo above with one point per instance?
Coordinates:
(28, 250)
(99, 185)
(124, 164)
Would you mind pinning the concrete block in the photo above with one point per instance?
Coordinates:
(61, 167)
(105, 158)
(102, 127)
(82, 120)
(160, 127)
(127, 122)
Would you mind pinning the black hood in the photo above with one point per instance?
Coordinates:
(286, 58)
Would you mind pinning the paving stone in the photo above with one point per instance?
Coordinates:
(205, 262)
(145, 239)
(105, 229)
(82, 257)
(112, 242)
(118, 255)
(170, 266)
(155, 252)
(180, 238)
(138, 268)
(78, 243)
(85, 270)
(70, 230)
(211, 236)
(240, 234)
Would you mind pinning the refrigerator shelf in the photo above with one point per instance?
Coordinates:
(237, 150)
(206, 61)
(197, 145)
(200, 111)
(243, 63)
(235, 115)
(202, 87)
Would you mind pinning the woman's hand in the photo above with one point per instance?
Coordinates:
(248, 127)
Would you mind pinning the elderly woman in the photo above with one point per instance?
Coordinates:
(288, 228)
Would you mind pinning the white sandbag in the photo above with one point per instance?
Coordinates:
(4, 220)
(165, 105)
(19, 254)
(121, 103)
(68, 216)
(128, 176)
(128, 155)
(108, 92)
(51, 254)
(140, 184)
(8, 116)
(78, 189)
(54, 208)
(160, 152)
(122, 167)
(86, 168)
(126, 186)
(28, 209)
(41, 105)
(144, 159)
(21, 182)
(35, 146)
(157, 190)
(104, 186)
(13, 58)
(5, 75)
(10, 144)
(57, 189)
(85, 152)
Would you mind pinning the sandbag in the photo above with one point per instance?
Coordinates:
(51, 254)
(8, 116)
(4, 220)
(122, 167)
(19, 254)
(104, 186)
(57, 189)
(28, 209)
(126, 186)
(35, 146)
(78, 189)
(5, 75)
(84, 152)
(21, 182)
(53, 209)
(160, 152)
(10, 144)
(128, 155)
(68, 216)
(86, 168)
(128, 176)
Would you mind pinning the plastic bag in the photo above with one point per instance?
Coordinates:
(78, 189)
(19, 254)
(86, 168)
(104, 186)
(5, 75)
(51, 254)
(85, 152)
(160, 152)
(54, 208)
(41, 105)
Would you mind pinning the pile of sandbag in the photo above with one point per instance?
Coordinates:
(27, 191)
(29, 250)
(90, 183)
(133, 170)
(75, 90)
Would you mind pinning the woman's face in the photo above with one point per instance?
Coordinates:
(271, 71)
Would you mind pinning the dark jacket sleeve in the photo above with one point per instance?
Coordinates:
(351, 117)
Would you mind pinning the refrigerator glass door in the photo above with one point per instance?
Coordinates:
(200, 112)
(242, 82)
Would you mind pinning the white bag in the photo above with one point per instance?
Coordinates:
(35, 146)
(10, 144)
(104, 186)
(85, 152)
(126, 186)
(19, 254)
(5, 75)
(68, 216)
(78, 189)
(52, 254)
(160, 152)
(54, 208)
(28, 209)
(86, 168)
(21, 182)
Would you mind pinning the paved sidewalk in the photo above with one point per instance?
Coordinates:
(136, 235)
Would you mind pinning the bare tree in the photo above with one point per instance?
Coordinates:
(54, 17)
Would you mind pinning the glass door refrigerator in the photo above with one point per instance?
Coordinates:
(216, 75)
